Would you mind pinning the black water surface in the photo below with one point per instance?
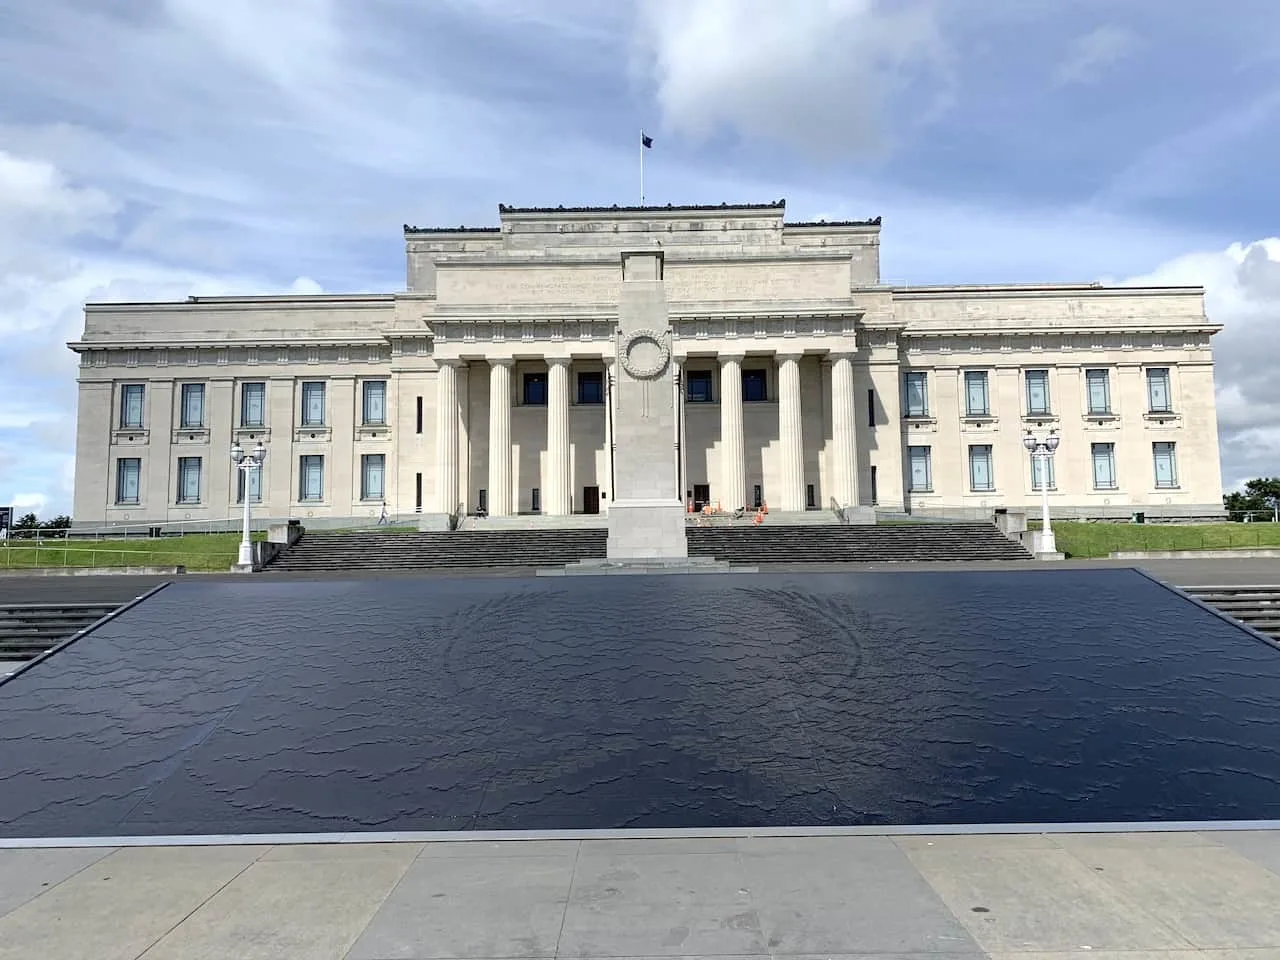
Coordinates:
(877, 698)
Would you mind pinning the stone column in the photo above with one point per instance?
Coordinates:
(556, 497)
(606, 484)
(500, 437)
(790, 434)
(844, 461)
(447, 436)
(733, 465)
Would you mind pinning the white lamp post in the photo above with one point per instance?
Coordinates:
(246, 462)
(1043, 451)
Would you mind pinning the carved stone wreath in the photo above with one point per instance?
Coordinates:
(644, 354)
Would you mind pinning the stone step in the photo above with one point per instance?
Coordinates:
(29, 629)
(1256, 606)
(742, 544)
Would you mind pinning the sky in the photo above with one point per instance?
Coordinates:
(155, 149)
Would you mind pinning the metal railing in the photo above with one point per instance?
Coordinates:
(33, 555)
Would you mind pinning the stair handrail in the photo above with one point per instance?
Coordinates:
(839, 511)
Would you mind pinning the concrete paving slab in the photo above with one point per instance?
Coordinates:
(488, 907)
(1260, 846)
(1135, 955)
(1047, 900)
(304, 909)
(657, 903)
(670, 878)
(1155, 840)
(121, 905)
(860, 894)
(26, 874)
(664, 846)
(829, 846)
(308, 852)
(624, 928)
(979, 841)
(499, 848)
(1211, 895)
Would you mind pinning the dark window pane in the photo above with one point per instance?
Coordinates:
(754, 386)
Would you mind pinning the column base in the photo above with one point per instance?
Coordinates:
(647, 530)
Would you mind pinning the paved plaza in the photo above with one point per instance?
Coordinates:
(1136, 896)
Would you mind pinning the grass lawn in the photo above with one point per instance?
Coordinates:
(1101, 539)
(196, 552)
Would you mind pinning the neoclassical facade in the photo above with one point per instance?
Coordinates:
(802, 382)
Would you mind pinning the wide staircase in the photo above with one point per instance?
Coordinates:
(771, 544)
(464, 549)
(1254, 606)
(29, 629)
(740, 544)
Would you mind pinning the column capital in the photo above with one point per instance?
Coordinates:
(782, 356)
(731, 358)
(835, 355)
(557, 361)
(452, 363)
(502, 361)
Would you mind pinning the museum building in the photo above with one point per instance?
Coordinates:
(802, 382)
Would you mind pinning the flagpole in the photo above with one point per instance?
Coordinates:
(642, 168)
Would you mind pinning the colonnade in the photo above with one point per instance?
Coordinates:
(557, 485)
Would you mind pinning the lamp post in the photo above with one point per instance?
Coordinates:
(246, 462)
(1043, 450)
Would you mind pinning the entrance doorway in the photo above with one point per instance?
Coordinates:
(590, 499)
(701, 495)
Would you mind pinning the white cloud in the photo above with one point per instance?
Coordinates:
(1094, 53)
(1242, 292)
(816, 75)
(36, 199)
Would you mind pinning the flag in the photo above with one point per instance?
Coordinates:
(645, 141)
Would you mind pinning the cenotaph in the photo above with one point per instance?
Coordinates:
(646, 515)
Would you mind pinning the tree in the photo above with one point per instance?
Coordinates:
(1259, 497)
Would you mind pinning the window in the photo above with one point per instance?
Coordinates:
(192, 405)
(1037, 392)
(755, 386)
(921, 460)
(1159, 397)
(535, 500)
(975, 393)
(417, 491)
(871, 408)
(1104, 466)
(810, 497)
(1038, 468)
(980, 473)
(128, 480)
(372, 475)
(482, 501)
(313, 404)
(1099, 387)
(311, 478)
(591, 387)
(757, 496)
(255, 484)
(131, 405)
(188, 479)
(374, 407)
(1166, 466)
(253, 404)
(419, 427)
(535, 390)
(698, 388)
(917, 394)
